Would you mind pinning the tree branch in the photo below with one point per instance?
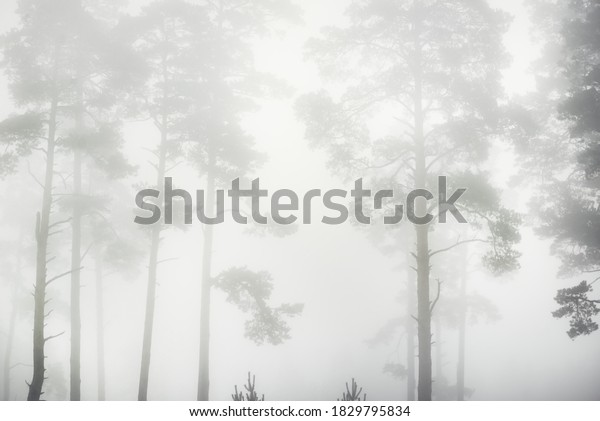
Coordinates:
(437, 298)
(53, 336)
(61, 275)
(458, 243)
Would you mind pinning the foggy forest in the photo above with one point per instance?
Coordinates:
(101, 100)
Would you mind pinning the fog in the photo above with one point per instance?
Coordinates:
(311, 113)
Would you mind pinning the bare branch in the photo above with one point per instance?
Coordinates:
(437, 297)
(34, 177)
(53, 336)
(61, 275)
(458, 243)
(59, 223)
(166, 260)
(85, 253)
(20, 364)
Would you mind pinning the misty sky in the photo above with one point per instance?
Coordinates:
(349, 288)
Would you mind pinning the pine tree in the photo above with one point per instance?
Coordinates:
(567, 166)
(226, 86)
(164, 36)
(431, 71)
(96, 64)
(35, 55)
(251, 394)
(353, 393)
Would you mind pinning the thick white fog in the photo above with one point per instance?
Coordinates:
(349, 286)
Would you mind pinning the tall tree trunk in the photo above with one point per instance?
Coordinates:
(410, 337)
(41, 238)
(423, 268)
(204, 358)
(439, 356)
(462, 330)
(12, 322)
(100, 330)
(423, 303)
(9, 345)
(152, 270)
(424, 315)
(76, 256)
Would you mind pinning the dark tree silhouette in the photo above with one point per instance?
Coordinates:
(432, 69)
(69, 63)
(567, 205)
(36, 63)
(579, 308)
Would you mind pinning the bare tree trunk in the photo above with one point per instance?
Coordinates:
(422, 231)
(76, 258)
(9, 346)
(439, 356)
(152, 270)
(410, 338)
(100, 330)
(423, 302)
(204, 360)
(41, 237)
(424, 315)
(16, 286)
(149, 319)
(462, 330)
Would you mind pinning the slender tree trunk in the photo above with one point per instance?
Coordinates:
(424, 315)
(41, 237)
(12, 323)
(423, 303)
(410, 337)
(155, 242)
(462, 330)
(9, 345)
(423, 268)
(152, 270)
(76, 257)
(203, 366)
(100, 330)
(439, 356)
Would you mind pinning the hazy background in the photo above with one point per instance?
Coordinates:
(348, 287)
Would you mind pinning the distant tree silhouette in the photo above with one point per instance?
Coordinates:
(353, 392)
(199, 79)
(251, 394)
(162, 35)
(216, 142)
